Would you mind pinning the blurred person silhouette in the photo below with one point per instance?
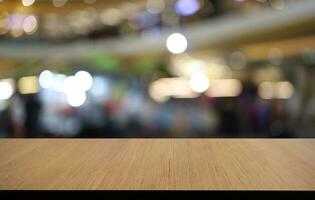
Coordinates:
(307, 125)
(6, 124)
(32, 111)
(17, 115)
(229, 120)
(179, 122)
(249, 119)
(264, 116)
(279, 126)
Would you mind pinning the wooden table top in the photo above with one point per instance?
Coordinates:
(158, 164)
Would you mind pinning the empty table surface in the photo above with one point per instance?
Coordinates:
(158, 164)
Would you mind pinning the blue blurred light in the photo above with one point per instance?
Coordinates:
(187, 7)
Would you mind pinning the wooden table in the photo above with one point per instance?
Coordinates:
(172, 164)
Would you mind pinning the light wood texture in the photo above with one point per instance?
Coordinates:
(154, 164)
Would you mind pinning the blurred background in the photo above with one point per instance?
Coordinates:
(157, 68)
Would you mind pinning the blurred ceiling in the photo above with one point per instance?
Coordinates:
(290, 29)
(230, 31)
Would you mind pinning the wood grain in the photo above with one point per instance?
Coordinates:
(154, 164)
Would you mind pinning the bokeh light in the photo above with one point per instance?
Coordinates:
(275, 90)
(187, 7)
(199, 82)
(164, 88)
(76, 98)
(30, 24)
(84, 80)
(111, 16)
(28, 85)
(46, 79)
(224, 88)
(59, 3)
(6, 89)
(176, 43)
(28, 2)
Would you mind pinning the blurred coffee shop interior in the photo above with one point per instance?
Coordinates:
(157, 68)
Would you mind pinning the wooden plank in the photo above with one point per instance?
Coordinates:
(171, 164)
